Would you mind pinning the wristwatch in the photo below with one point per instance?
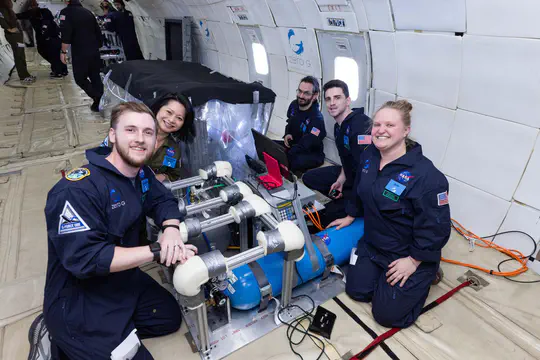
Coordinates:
(155, 248)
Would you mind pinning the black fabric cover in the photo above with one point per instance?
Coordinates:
(192, 79)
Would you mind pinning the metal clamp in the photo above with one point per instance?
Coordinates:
(327, 255)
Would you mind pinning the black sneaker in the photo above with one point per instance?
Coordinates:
(40, 342)
(95, 106)
(55, 76)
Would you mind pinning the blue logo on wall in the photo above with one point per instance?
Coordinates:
(206, 32)
(296, 48)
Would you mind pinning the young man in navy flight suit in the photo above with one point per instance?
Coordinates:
(350, 136)
(305, 128)
(121, 22)
(98, 303)
(404, 201)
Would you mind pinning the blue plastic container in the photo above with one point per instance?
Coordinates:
(245, 292)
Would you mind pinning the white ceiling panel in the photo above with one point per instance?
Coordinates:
(384, 62)
(429, 67)
(379, 15)
(221, 13)
(309, 13)
(361, 16)
(478, 211)
(488, 153)
(432, 15)
(285, 13)
(516, 18)
(501, 78)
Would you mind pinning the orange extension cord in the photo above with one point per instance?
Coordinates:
(515, 254)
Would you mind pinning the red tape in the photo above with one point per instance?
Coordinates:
(379, 339)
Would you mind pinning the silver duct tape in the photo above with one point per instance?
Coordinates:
(193, 226)
(215, 263)
(191, 302)
(274, 241)
(211, 170)
(182, 207)
(245, 210)
(233, 193)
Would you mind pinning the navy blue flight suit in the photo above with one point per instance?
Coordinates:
(308, 131)
(351, 140)
(79, 28)
(406, 213)
(47, 37)
(121, 22)
(88, 310)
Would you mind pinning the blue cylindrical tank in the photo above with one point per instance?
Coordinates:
(244, 292)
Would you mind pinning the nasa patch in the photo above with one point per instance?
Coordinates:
(170, 151)
(404, 177)
(77, 174)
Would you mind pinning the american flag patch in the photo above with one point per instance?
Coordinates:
(315, 131)
(364, 139)
(62, 17)
(442, 198)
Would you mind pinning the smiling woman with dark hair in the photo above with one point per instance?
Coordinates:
(174, 115)
(174, 118)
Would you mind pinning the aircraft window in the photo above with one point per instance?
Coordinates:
(261, 60)
(346, 69)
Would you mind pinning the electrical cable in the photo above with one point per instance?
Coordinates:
(483, 242)
(293, 327)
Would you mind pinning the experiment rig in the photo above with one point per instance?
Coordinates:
(277, 270)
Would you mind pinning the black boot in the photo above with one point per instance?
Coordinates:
(95, 106)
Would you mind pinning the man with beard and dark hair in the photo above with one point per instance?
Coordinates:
(80, 29)
(350, 135)
(98, 303)
(8, 22)
(121, 22)
(305, 128)
(47, 37)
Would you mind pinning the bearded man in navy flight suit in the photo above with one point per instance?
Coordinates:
(98, 303)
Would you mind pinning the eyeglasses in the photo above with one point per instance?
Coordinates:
(300, 92)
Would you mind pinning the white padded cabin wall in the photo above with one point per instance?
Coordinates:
(475, 97)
